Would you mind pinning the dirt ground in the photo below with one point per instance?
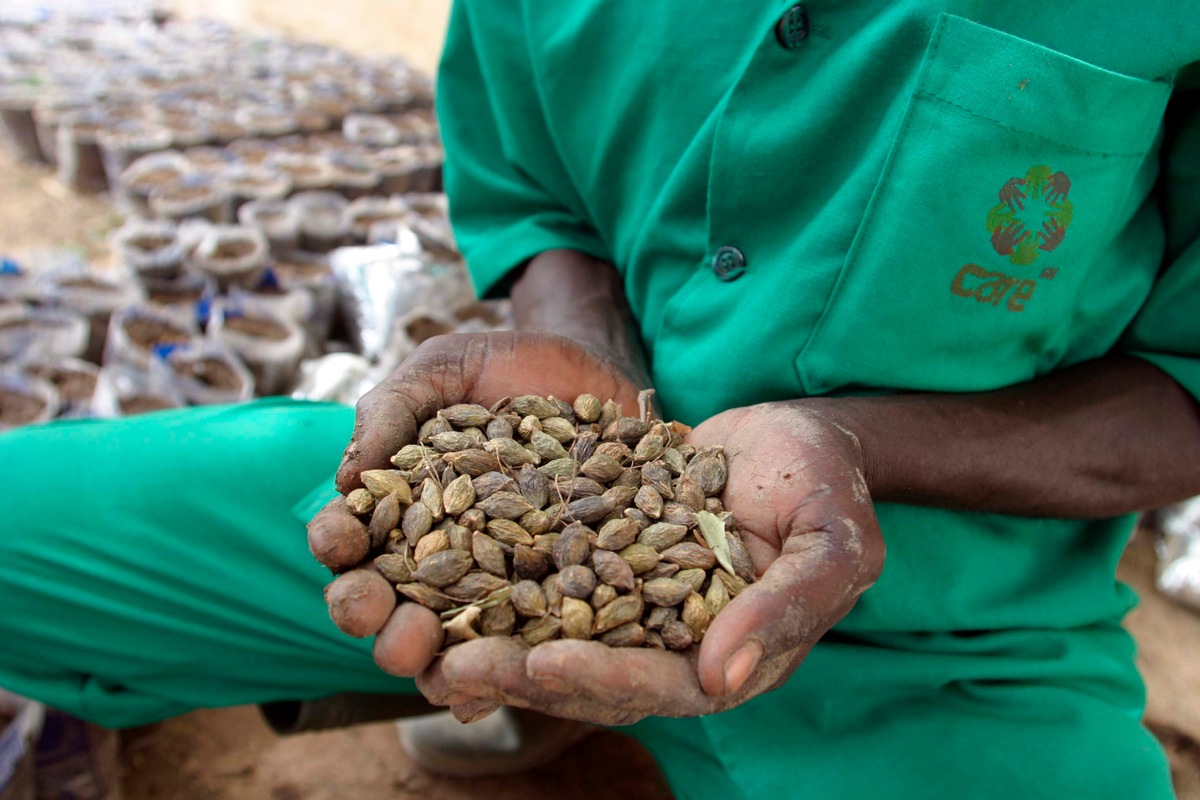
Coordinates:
(230, 754)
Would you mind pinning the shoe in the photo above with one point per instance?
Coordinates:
(509, 741)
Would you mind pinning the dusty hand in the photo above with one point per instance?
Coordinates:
(796, 487)
(473, 368)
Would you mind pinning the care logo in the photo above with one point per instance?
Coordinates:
(1031, 219)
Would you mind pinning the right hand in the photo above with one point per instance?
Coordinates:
(467, 368)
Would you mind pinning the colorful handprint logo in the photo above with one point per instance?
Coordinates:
(1040, 197)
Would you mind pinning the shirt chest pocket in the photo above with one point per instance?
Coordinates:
(1004, 195)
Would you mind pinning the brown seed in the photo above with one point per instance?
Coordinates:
(739, 556)
(613, 570)
(529, 564)
(577, 581)
(584, 446)
(528, 598)
(511, 453)
(665, 591)
(733, 584)
(539, 407)
(411, 455)
(536, 522)
(499, 428)
(717, 597)
(394, 567)
(690, 555)
(430, 543)
(663, 569)
(602, 596)
(560, 468)
(426, 596)
(617, 451)
(444, 568)
(475, 586)
(452, 441)
(627, 608)
(631, 477)
(416, 522)
(687, 493)
(448, 476)
(627, 430)
(561, 429)
(662, 535)
(654, 639)
(577, 619)
(587, 407)
(575, 488)
(360, 602)
(499, 620)
(565, 410)
(660, 616)
(339, 541)
(458, 496)
(658, 477)
(459, 536)
(467, 415)
(677, 635)
(589, 509)
(673, 460)
(708, 469)
(696, 614)
(649, 447)
(641, 558)
(544, 542)
(488, 554)
(535, 486)
(434, 426)
(649, 502)
(686, 450)
(617, 534)
(489, 483)
(630, 634)
(713, 505)
(382, 482)
(572, 546)
(472, 462)
(678, 514)
(541, 630)
(508, 532)
(473, 519)
(552, 588)
(608, 414)
(602, 467)
(360, 501)
(431, 498)
(692, 577)
(504, 505)
(546, 446)
(621, 496)
(528, 424)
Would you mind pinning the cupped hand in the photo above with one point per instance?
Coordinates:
(797, 490)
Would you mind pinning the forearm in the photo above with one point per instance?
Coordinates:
(580, 297)
(1107, 437)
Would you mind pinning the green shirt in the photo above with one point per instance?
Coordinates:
(862, 197)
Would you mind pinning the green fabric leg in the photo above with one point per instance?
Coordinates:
(153, 565)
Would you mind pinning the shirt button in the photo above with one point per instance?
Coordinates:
(792, 28)
(728, 263)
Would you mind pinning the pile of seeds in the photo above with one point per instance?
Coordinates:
(545, 519)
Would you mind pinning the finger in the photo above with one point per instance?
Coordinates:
(337, 538)
(409, 641)
(474, 711)
(360, 602)
(488, 668)
(802, 594)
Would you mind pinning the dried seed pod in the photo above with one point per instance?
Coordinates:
(529, 423)
(489, 483)
(382, 482)
(577, 619)
(621, 496)
(572, 546)
(686, 450)
(717, 597)
(631, 477)
(660, 616)
(452, 441)
(458, 496)
(546, 446)
(339, 541)
(627, 430)
(663, 569)
(655, 640)
(713, 505)
(613, 570)
(649, 447)
(434, 426)
(587, 407)
(673, 461)
(431, 498)
(360, 501)
(461, 627)
(608, 414)
(544, 542)
(690, 555)
(498, 620)
(733, 584)
(678, 514)
(530, 564)
(665, 591)
(575, 488)
(560, 468)
(360, 602)
(460, 536)
(708, 469)
(589, 509)
(508, 532)
(552, 588)
(692, 577)
(411, 455)
(542, 629)
(511, 453)
(627, 608)
(467, 415)
(475, 586)
(535, 486)
(565, 410)
(677, 635)
(602, 596)
(688, 494)
(488, 554)
(394, 567)
(536, 522)
(504, 505)
(529, 599)
(473, 519)
(561, 429)
(577, 581)
(384, 518)
(739, 556)
(662, 535)
(420, 472)
(449, 474)
(602, 467)
(618, 451)
(636, 516)
(416, 522)
(443, 568)
(649, 502)
(641, 558)
(658, 477)
(584, 446)
(696, 614)
(539, 407)
(473, 462)
(430, 543)
(630, 634)
(499, 428)
(427, 596)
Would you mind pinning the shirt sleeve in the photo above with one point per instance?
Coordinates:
(1166, 331)
(509, 196)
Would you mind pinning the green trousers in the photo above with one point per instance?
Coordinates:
(154, 565)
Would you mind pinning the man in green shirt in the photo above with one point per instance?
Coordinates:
(927, 270)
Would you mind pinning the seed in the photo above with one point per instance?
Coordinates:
(662, 535)
(677, 635)
(411, 455)
(565, 410)
(602, 596)
(708, 469)
(561, 429)
(530, 564)
(584, 446)
(692, 577)
(613, 570)
(713, 505)
(577, 581)
(452, 441)
(621, 496)
(430, 543)
(653, 639)
(488, 554)
(382, 482)
(541, 630)
(687, 493)
(552, 588)
(673, 460)
(539, 407)
(627, 608)
(536, 521)
(535, 486)
(508, 532)
(475, 586)
(689, 555)
(696, 614)
(459, 536)
(658, 477)
(544, 543)
(649, 447)
(443, 568)
(467, 415)
(602, 467)
(678, 514)
(630, 634)
(416, 522)
(458, 496)
(743, 565)
(572, 546)
(665, 591)
(426, 596)
(528, 599)
(631, 477)
(608, 414)
(499, 428)
(589, 509)
(733, 584)
(717, 597)
(473, 519)
(546, 446)
(649, 502)
(617, 451)
(663, 569)
(617, 534)
(587, 407)
(360, 501)
(431, 498)
(504, 505)
(511, 453)
(528, 425)
(575, 488)
(641, 558)
(472, 462)
(394, 567)
(499, 620)
(627, 430)
(636, 516)
(560, 468)
(660, 616)
(433, 426)
(384, 518)
(577, 619)
(489, 483)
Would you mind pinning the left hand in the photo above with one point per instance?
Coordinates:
(796, 487)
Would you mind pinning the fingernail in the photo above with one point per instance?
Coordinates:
(741, 664)
(473, 712)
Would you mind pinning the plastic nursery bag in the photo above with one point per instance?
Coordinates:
(1179, 552)
(270, 345)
